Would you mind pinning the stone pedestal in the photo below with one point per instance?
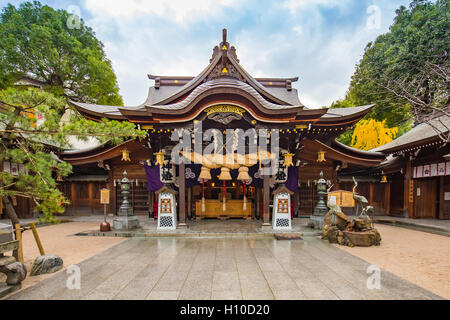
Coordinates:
(321, 209)
(126, 223)
(126, 219)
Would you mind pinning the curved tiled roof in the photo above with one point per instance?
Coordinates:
(224, 82)
(343, 112)
(420, 133)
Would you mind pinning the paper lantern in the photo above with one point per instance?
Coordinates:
(205, 174)
(321, 156)
(225, 174)
(243, 174)
(288, 159)
(160, 158)
(125, 155)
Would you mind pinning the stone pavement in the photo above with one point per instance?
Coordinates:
(227, 268)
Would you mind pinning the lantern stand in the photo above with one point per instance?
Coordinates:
(126, 219)
(321, 209)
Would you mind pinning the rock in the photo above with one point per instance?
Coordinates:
(48, 263)
(15, 273)
(364, 238)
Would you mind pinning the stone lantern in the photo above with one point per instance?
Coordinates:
(321, 209)
(126, 219)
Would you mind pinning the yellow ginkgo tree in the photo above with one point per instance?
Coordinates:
(370, 133)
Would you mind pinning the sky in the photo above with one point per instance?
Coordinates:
(320, 41)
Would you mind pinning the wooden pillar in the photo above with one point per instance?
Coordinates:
(408, 201)
(257, 197)
(151, 204)
(296, 200)
(91, 196)
(182, 195)
(112, 193)
(73, 198)
(371, 193)
(266, 201)
(441, 197)
(189, 197)
(387, 198)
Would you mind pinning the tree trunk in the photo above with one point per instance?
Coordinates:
(10, 211)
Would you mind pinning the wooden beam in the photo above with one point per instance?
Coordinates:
(408, 205)
(387, 198)
(18, 231)
(441, 197)
(266, 201)
(189, 198)
(182, 194)
(371, 193)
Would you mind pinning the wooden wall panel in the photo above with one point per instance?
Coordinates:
(425, 204)
(444, 212)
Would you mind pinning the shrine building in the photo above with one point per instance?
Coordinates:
(223, 97)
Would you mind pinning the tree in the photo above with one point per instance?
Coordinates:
(369, 134)
(35, 41)
(27, 142)
(407, 71)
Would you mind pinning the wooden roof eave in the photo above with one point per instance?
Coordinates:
(95, 115)
(344, 120)
(411, 146)
(316, 145)
(259, 112)
(110, 153)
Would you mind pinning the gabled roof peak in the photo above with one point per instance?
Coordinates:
(224, 48)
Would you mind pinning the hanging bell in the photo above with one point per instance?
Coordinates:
(243, 174)
(205, 173)
(225, 174)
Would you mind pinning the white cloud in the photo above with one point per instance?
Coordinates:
(294, 5)
(179, 11)
(298, 30)
(177, 38)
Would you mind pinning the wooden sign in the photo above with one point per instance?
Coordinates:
(104, 196)
(342, 198)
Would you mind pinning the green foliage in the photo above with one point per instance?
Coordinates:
(33, 144)
(36, 42)
(405, 71)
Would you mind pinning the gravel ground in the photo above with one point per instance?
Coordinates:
(59, 239)
(419, 257)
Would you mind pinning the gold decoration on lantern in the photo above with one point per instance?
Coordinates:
(160, 158)
(383, 179)
(243, 174)
(125, 155)
(288, 159)
(321, 156)
(225, 174)
(205, 174)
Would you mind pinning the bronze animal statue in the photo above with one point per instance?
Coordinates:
(361, 201)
